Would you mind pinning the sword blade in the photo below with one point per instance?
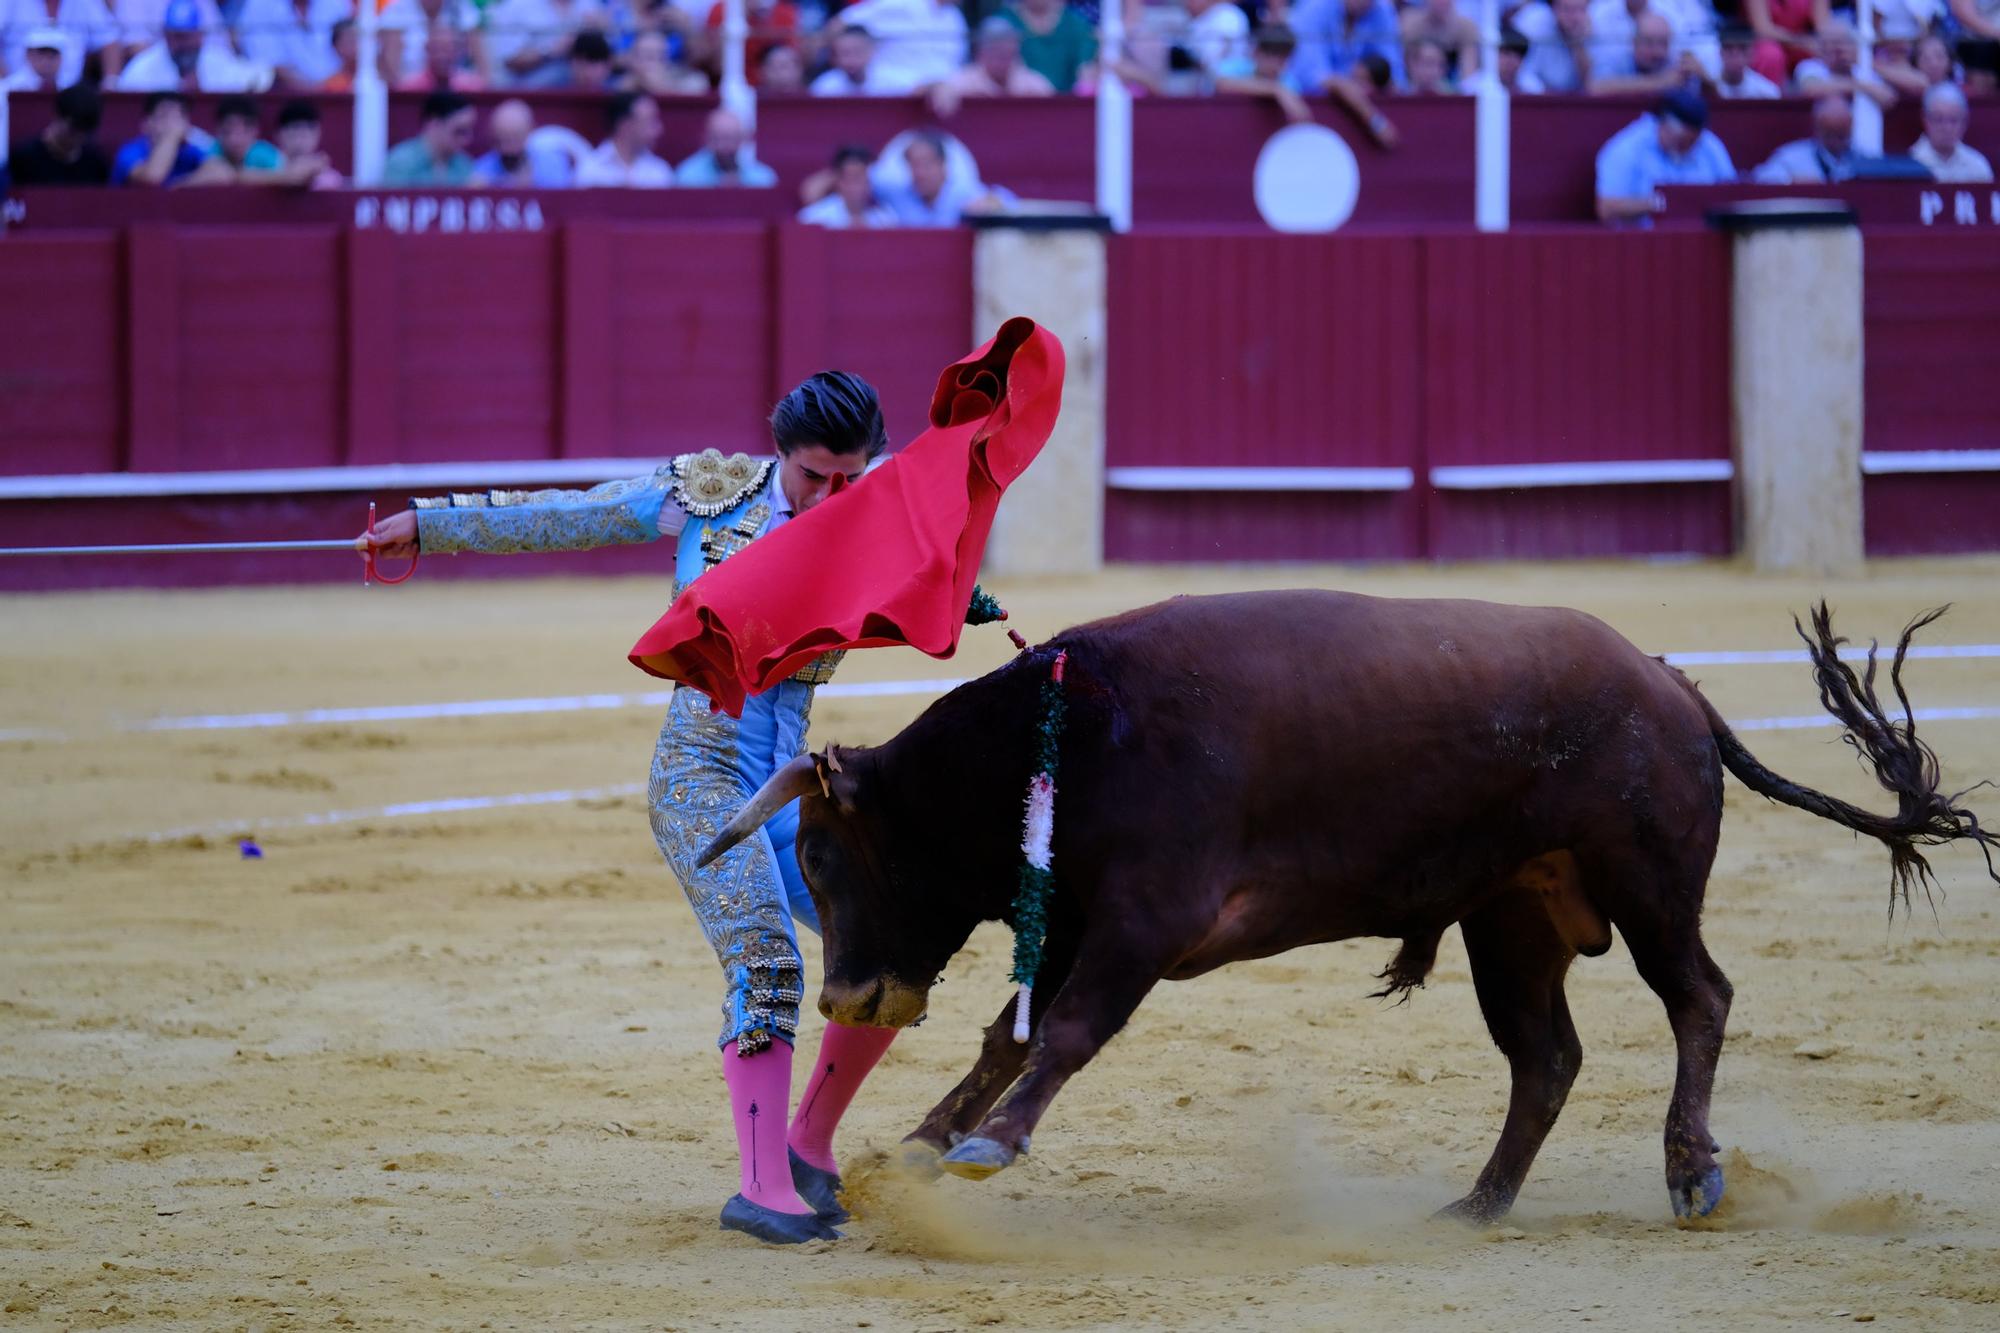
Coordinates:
(183, 548)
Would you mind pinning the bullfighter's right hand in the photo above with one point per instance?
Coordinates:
(394, 538)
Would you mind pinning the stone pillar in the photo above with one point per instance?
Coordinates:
(1795, 336)
(1052, 270)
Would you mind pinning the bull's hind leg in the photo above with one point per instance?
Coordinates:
(1519, 958)
(1696, 993)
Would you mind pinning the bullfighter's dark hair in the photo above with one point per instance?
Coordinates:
(834, 409)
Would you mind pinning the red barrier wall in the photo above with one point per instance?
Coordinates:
(1418, 352)
(1193, 157)
(1930, 301)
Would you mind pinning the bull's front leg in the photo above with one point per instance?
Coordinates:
(1104, 987)
(999, 1064)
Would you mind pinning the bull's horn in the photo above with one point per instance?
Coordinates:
(789, 783)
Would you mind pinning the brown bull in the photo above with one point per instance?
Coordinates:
(1246, 774)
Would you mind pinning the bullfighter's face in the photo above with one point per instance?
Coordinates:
(886, 940)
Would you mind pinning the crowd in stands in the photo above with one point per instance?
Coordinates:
(1360, 54)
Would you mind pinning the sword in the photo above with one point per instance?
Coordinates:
(370, 573)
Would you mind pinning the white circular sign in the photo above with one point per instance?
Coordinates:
(1306, 179)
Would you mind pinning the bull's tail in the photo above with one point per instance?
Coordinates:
(1906, 767)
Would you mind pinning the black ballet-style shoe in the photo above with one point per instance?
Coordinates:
(771, 1226)
(820, 1188)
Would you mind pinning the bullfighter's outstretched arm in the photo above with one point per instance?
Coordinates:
(617, 513)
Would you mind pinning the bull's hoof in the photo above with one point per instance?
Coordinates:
(1698, 1198)
(976, 1159)
(1474, 1210)
(916, 1160)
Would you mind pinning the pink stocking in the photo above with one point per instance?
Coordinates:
(760, 1089)
(846, 1054)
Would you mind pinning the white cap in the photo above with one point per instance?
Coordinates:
(47, 39)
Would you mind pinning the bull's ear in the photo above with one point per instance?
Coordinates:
(839, 776)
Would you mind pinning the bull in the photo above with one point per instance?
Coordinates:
(1252, 773)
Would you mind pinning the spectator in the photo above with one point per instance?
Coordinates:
(626, 158)
(1931, 58)
(140, 22)
(86, 26)
(782, 70)
(1942, 146)
(437, 155)
(527, 39)
(588, 67)
(237, 142)
(1429, 68)
(1333, 37)
(852, 202)
(1784, 31)
(405, 36)
(184, 60)
(515, 162)
(298, 140)
(1648, 65)
(1823, 159)
(917, 42)
(168, 147)
(1513, 54)
(1836, 69)
(932, 198)
(1737, 79)
(1976, 25)
(1271, 50)
(1056, 41)
(996, 70)
(1456, 34)
(66, 151)
(346, 42)
(1612, 22)
(1671, 145)
(852, 73)
(293, 37)
(725, 156)
(772, 23)
(1559, 42)
(447, 63)
(40, 68)
(650, 68)
(1217, 36)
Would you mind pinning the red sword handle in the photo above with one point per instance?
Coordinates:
(370, 572)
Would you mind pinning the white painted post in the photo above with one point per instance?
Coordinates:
(735, 90)
(1114, 121)
(371, 99)
(1491, 127)
(1867, 114)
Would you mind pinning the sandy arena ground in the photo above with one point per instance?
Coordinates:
(456, 1070)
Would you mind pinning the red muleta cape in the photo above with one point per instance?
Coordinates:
(888, 560)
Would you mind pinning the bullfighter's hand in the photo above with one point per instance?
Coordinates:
(394, 538)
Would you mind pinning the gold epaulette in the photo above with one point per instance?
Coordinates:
(707, 484)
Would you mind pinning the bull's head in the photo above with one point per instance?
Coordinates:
(893, 908)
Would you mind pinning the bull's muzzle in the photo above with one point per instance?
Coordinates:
(881, 1002)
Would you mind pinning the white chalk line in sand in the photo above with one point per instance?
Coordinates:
(577, 703)
(460, 804)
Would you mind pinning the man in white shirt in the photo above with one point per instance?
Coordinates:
(626, 158)
(185, 60)
(853, 73)
(410, 22)
(85, 25)
(40, 67)
(852, 203)
(524, 36)
(1837, 68)
(917, 42)
(1217, 35)
(293, 37)
(1942, 147)
(1736, 78)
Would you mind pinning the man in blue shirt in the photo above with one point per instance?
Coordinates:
(934, 197)
(168, 149)
(1670, 145)
(725, 157)
(1334, 34)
